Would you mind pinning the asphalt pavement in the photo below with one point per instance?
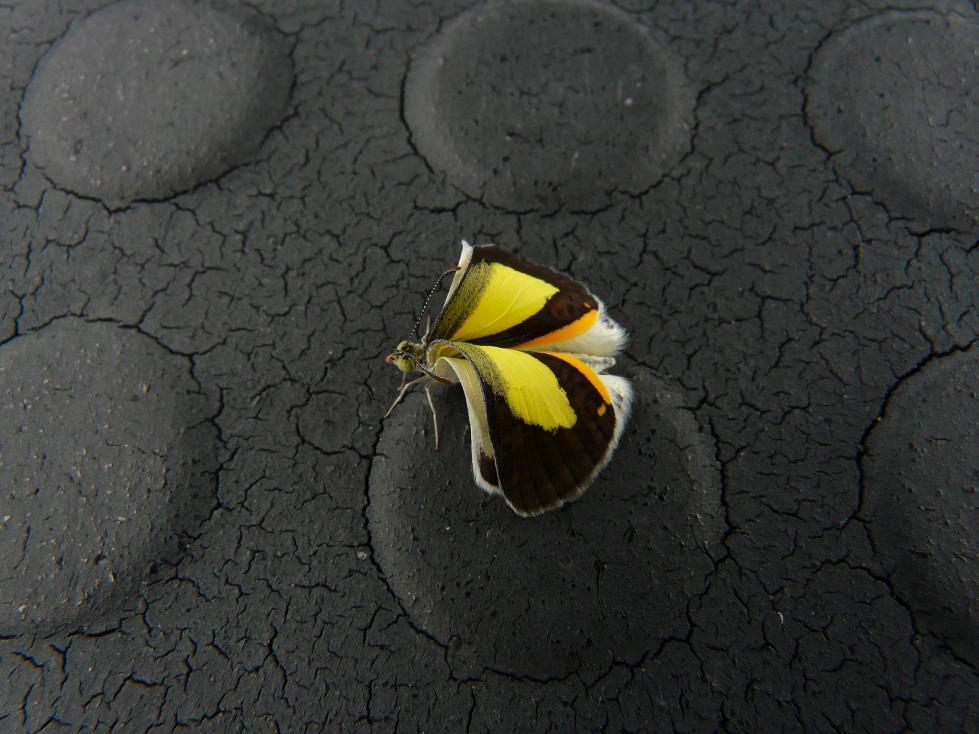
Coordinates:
(217, 218)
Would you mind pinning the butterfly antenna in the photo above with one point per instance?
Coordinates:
(430, 296)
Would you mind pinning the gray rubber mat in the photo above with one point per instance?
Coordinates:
(218, 218)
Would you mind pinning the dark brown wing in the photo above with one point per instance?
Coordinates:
(538, 469)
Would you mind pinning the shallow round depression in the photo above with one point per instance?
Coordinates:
(605, 578)
(920, 497)
(894, 100)
(107, 458)
(548, 104)
(141, 100)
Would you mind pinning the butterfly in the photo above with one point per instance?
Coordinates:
(530, 347)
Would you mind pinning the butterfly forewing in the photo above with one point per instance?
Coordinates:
(499, 300)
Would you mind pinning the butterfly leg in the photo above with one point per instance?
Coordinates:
(435, 417)
(405, 387)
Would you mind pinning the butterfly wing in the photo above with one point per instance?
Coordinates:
(459, 369)
(496, 299)
(543, 423)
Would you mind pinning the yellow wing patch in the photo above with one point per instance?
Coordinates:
(531, 390)
(508, 297)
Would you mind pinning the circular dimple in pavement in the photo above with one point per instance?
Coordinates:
(106, 457)
(145, 99)
(606, 577)
(547, 104)
(895, 100)
(921, 495)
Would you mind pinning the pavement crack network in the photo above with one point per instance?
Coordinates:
(861, 452)
(382, 576)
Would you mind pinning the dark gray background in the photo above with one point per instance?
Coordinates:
(217, 218)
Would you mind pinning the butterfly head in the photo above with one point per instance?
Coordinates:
(407, 356)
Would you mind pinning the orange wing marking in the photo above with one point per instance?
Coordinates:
(569, 331)
(588, 372)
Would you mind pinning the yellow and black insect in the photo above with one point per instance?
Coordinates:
(530, 347)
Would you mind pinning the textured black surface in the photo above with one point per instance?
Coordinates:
(607, 579)
(144, 99)
(108, 455)
(784, 219)
(613, 111)
(922, 498)
(893, 102)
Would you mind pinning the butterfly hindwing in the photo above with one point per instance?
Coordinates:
(459, 369)
(497, 299)
(544, 424)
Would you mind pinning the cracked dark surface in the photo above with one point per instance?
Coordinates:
(612, 113)
(99, 117)
(108, 453)
(921, 498)
(895, 106)
(789, 308)
(606, 580)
